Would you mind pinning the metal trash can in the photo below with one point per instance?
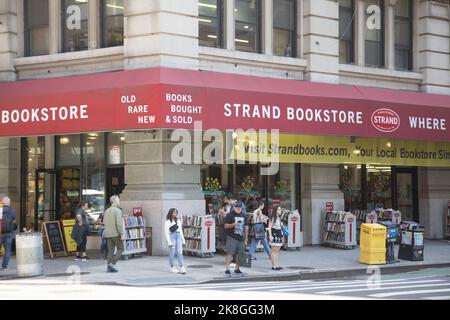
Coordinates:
(29, 254)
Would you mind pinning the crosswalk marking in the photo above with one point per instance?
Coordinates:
(350, 286)
(402, 293)
(387, 288)
(438, 298)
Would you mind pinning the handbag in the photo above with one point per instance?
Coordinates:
(260, 231)
(285, 231)
(174, 228)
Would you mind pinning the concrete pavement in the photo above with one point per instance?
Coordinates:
(311, 262)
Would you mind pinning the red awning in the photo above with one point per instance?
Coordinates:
(172, 98)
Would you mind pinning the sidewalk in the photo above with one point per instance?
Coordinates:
(311, 262)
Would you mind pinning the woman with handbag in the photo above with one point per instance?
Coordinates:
(175, 240)
(259, 231)
(275, 236)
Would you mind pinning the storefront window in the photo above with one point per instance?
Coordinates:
(403, 39)
(284, 33)
(374, 33)
(112, 23)
(94, 176)
(346, 26)
(69, 192)
(116, 148)
(350, 185)
(75, 25)
(36, 27)
(248, 25)
(214, 180)
(210, 20)
(282, 189)
(248, 185)
(69, 150)
(379, 187)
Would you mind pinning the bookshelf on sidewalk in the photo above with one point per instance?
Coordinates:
(364, 216)
(135, 237)
(340, 230)
(199, 234)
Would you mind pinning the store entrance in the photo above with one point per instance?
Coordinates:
(116, 181)
(406, 188)
(44, 209)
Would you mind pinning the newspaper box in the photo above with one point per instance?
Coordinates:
(373, 244)
(411, 245)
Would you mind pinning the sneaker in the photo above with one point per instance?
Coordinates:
(111, 269)
(182, 270)
(85, 258)
(228, 272)
(4, 269)
(174, 270)
(77, 258)
(237, 271)
(253, 258)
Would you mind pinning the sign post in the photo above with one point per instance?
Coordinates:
(330, 206)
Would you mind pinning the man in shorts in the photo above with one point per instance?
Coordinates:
(237, 233)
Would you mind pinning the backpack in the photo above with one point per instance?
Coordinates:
(260, 231)
(7, 225)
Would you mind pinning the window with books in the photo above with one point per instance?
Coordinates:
(350, 185)
(379, 187)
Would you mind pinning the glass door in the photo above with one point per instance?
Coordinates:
(45, 183)
(406, 193)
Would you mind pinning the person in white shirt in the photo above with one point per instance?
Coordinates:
(175, 240)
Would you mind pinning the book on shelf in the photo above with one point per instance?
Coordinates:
(336, 216)
(193, 244)
(332, 236)
(335, 227)
(134, 233)
(134, 245)
(134, 221)
(190, 232)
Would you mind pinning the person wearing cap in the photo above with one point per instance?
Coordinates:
(237, 233)
(8, 222)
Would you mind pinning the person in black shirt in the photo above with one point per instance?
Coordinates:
(237, 233)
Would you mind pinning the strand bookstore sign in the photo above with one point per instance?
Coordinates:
(289, 148)
(171, 98)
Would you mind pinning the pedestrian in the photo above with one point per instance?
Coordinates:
(104, 243)
(175, 239)
(237, 233)
(259, 228)
(275, 236)
(230, 200)
(83, 207)
(79, 235)
(8, 226)
(114, 233)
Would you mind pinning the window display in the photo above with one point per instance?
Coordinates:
(282, 190)
(350, 185)
(379, 187)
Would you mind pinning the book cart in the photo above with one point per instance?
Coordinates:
(447, 228)
(199, 234)
(364, 216)
(340, 230)
(135, 237)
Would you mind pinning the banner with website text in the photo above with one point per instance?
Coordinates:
(291, 148)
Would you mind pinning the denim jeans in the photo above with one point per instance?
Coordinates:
(255, 242)
(177, 247)
(7, 239)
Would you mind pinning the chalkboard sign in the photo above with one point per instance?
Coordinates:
(53, 234)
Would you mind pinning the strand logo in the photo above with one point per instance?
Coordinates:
(385, 120)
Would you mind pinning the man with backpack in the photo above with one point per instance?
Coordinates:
(8, 220)
(259, 228)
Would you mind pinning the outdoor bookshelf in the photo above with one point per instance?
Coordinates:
(340, 230)
(134, 242)
(199, 234)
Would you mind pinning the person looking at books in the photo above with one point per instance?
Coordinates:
(259, 228)
(175, 240)
(114, 233)
(275, 236)
(79, 235)
(237, 235)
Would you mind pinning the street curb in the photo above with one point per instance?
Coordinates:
(330, 274)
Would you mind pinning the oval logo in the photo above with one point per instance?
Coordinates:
(208, 223)
(385, 120)
(294, 219)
